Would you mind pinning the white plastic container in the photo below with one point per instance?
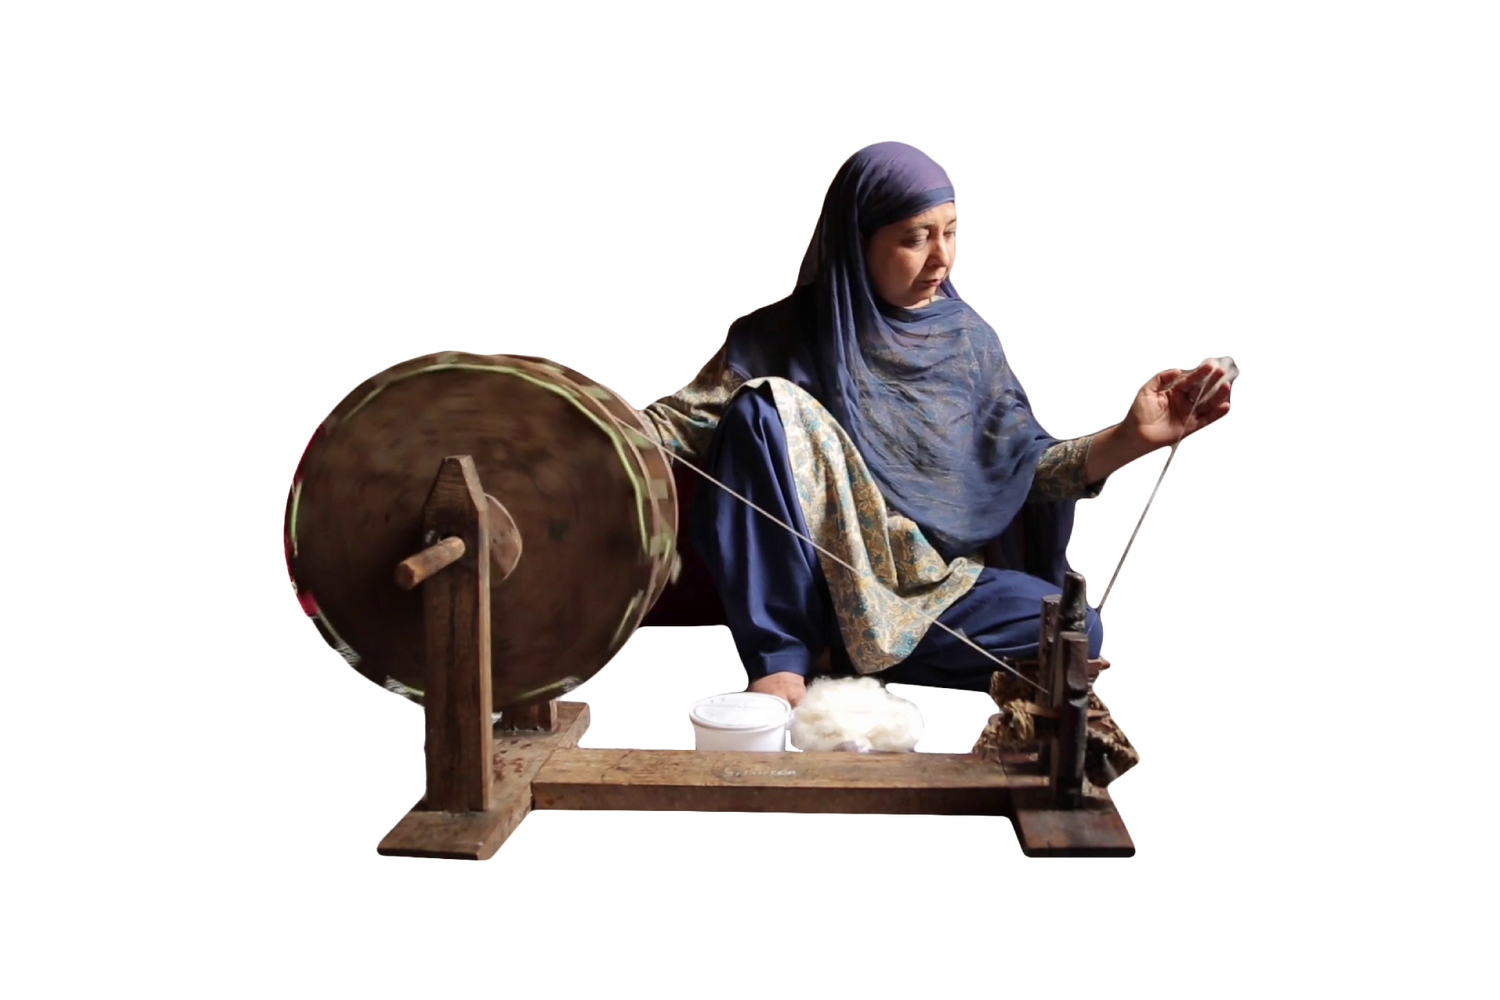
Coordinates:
(743, 720)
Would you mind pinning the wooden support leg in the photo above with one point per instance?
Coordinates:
(475, 836)
(1068, 818)
(1048, 634)
(456, 615)
(478, 783)
(1060, 613)
(1073, 720)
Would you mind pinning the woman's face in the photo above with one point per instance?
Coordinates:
(907, 260)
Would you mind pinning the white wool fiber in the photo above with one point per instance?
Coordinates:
(854, 713)
(1230, 372)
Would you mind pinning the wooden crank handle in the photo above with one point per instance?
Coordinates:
(427, 562)
(505, 549)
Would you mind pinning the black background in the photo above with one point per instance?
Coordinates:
(627, 258)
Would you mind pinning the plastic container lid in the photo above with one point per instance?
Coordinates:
(741, 710)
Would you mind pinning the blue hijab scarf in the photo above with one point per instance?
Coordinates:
(925, 394)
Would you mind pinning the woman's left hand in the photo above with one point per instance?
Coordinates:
(1163, 411)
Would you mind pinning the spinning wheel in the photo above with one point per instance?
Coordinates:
(489, 530)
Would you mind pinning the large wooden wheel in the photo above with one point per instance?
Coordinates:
(590, 493)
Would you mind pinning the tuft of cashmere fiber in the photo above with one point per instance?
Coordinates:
(854, 713)
(1206, 389)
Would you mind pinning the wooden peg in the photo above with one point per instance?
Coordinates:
(430, 560)
(1095, 666)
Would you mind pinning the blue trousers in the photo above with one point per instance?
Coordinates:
(771, 584)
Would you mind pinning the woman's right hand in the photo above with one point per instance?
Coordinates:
(783, 684)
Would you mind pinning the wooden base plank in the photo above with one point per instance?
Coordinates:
(546, 770)
(475, 836)
(1093, 831)
(676, 780)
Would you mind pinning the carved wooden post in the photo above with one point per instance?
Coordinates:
(456, 613)
(1073, 721)
(1066, 670)
(1050, 605)
(1060, 613)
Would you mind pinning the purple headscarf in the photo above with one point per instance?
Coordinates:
(925, 394)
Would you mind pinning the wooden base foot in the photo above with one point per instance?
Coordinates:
(1093, 831)
(475, 836)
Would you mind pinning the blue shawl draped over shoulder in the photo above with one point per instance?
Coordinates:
(926, 395)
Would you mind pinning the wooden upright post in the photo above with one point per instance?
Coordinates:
(1045, 640)
(1071, 744)
(1072, 616)
(1068, 690)
(456, 615)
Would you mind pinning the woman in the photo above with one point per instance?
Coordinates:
(873, 410)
